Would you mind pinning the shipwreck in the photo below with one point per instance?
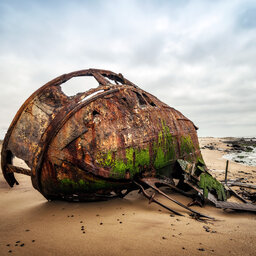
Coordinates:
(106, 142)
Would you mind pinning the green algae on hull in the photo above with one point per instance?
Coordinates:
(186, 145)
(164, 149)
(71, 186)
(137, 159)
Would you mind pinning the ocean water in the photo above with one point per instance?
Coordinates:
(247, 158)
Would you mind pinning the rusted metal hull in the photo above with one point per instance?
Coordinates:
(96, 142)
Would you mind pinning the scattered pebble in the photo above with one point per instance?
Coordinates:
(81, 221)
(120, 222)
(27, 230)
(97, 215)
(72, 215)
(171, 215)
(201, 249)
(22, 245)
(8, 245)
(83, 232)
(178, 219)
(183, 248)
(207, 229)
(10, 251)
(101, 223)
(33, 241)
(17, 242)
(163, 237)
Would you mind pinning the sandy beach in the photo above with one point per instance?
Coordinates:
(30, 225)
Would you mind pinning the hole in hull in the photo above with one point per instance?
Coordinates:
(78, 84)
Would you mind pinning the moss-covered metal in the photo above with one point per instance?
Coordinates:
(73, 186)
(209, 183)
(187, 147)
(164, 148)
(137, 159)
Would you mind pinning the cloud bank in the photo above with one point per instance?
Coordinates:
(197, 56)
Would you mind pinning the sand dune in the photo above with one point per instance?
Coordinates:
(30, 225)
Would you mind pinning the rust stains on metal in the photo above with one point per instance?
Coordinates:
(95, 144)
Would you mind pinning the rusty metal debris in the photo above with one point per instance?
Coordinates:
(98, 143)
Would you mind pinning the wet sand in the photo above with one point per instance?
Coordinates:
(30, 225)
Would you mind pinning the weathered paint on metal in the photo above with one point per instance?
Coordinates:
(92, 146)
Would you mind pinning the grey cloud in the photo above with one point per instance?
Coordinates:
(197, 56)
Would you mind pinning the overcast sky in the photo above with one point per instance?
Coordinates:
(197, 56)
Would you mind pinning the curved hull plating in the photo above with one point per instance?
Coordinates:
(96, 142)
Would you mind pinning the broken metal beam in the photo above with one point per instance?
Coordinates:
(240, 184)
(12, 168)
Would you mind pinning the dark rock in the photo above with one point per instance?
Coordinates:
(207, 229)
(236, 146)
(209, 147)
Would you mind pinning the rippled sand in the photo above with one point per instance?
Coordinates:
(128, 226)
